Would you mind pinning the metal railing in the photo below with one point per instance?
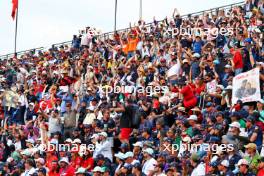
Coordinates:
(106, 35)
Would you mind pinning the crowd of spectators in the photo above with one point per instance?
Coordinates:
(133, 103)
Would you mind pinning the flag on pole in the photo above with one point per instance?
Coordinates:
(14, 9)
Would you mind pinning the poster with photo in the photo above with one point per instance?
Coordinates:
(246, 87)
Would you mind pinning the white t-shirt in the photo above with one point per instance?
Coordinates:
(199, 170)
(29, 172)
(148, 166)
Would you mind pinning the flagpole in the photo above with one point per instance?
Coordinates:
(115, 13)
(15, 52)
(140, 9)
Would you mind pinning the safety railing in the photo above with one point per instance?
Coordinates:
(106, 35)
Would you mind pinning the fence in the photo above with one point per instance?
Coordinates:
(106, 35)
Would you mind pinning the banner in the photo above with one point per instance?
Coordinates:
(246, 87)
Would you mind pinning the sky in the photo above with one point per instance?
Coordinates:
(42, 23)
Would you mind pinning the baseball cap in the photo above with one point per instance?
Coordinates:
(193, 117)
(77, 141)
(99, 157)
(235, 125)
(68, 140)
(221, 87)
(251, 146)
(213, 139)
(235, 114)
(248, 40)
(209, 104)
(197, 55)
(81, 170)
(40, 160)
(149, 151)
(26, 152)
(120, 155)
(251, 119)
(30, 141)
(94, 136)
(187, 139)
(124, 145)
(42, 170)
(228, 66)
(128, 166)
(138, 144)
(229, 87)
(129, 154)
(64, 159)
(103, 134)
(97, 169)
(242, 161)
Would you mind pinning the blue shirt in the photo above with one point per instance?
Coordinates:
(197, 46)
(66, 98)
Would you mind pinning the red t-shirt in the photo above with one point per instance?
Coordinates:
(69, 171)
(238, 62)
(76, 162)
(199, 89)
(49, 161)
(87, 162)
(260, 172)
(53, 173)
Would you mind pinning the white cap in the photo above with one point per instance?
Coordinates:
(64, 159)
(32, 104)
(103, 134)
(221, 87)
(229, 87)
(228, 66)
(187, 139)
(30, 141)
(91, 108)
(41, 160)
(26, 152)
(129, 154)
(120, 155)
(94, 136)
(68, 140)
(149, 151)
(242, 161)
(97, 169)
(138, 144)
(235, 125)
(81, 170)
(173, 95)
(261, 101)
(193, 117)
(196, 55)
(10, 159)
(77, 141)
(225, 163)
(54, 141)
